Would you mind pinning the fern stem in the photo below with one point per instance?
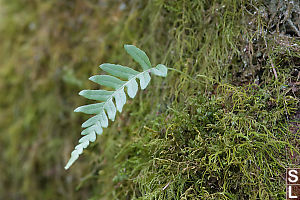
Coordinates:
(176, 70)
(191, 78)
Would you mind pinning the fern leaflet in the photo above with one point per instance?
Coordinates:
(107, 109)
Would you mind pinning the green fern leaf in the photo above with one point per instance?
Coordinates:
(139, 56)
(107, 109)
(100, 95)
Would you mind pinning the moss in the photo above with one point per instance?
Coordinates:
(230, 145)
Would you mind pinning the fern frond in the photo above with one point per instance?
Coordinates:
(107, 109)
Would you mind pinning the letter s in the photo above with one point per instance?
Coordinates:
(293, 173)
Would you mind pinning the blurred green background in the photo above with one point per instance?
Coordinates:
(48, 49)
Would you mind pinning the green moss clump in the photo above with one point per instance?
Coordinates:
(234, 144)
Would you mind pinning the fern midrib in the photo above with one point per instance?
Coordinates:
(122, 87)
